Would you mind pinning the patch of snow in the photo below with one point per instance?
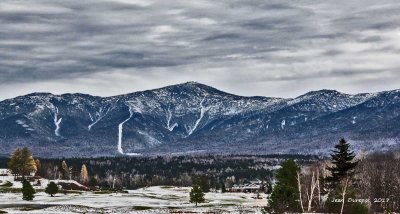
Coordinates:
(169, 116)
(57, 122)
(67, 181)
(159, 199)
(20, 122)
(149, 139)
(133, 154)
(202, 111)
(120, 126)
(98, 116)
(136, 106)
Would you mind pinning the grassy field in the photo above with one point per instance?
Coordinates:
(158, 199)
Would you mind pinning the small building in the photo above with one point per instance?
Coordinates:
(5, 175)
(5, 172)
(253, 186)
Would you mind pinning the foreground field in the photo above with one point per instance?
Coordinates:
(159, 199)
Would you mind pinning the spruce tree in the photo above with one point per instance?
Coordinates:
(27, 191)
(338, 183)
(51, 189)
(343, 163)
(223, 188)
(284, 197)
(196, 195)
(93, 182)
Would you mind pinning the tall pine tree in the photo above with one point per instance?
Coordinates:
(285, 195)
(343, 163)
(338, 183)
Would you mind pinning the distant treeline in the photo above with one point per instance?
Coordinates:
(136, 172)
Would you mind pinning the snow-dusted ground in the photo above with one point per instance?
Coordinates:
(43, 182)
(148, 200)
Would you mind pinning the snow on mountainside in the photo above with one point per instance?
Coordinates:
(194, 117)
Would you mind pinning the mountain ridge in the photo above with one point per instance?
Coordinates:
(197, 83)
(190, 117)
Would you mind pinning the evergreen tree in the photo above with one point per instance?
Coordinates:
(217, 186)
(338, 183)
(27, 191)
(343, 163)
(51, 189)
(84, 174)
(268, 189)
(92, 182)
(284, 197)
(196, 195)
(203, 182)
(223, 188)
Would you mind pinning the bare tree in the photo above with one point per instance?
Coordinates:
(308, 182)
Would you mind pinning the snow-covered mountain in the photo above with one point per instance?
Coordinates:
(192, 118)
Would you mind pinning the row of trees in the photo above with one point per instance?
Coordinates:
(217, 172)
(343, 184)
(23, 166)
(22, 163)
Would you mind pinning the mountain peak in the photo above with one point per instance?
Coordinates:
(195, 86)
(322, 92)
(39, 94)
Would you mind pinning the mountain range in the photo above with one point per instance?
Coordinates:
(192, 118)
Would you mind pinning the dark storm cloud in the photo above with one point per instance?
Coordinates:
(233, 45)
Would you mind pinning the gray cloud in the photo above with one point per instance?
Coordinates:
(270, 48)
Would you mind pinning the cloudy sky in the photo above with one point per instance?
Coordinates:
(278, 48)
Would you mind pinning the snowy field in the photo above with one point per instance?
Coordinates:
(159, 199)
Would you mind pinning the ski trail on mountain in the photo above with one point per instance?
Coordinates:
(120, 129)
(57, 122)
(169, 116)
(202, 111)
(100, 115)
